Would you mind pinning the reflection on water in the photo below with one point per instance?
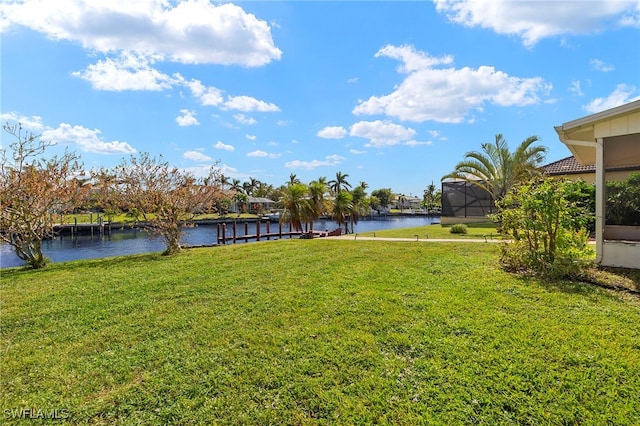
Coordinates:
(133, 241)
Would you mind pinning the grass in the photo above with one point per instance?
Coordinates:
(316, 332)
(436, 231)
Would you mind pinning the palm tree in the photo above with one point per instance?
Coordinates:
(496, 169)
(246, 188)
(236, 185)
(429, 196)
(296, 207)
(401, 200)
(360, 204)
(339, 183)
(293, 179)
(317, 191)
(223, 181)
(342, 207)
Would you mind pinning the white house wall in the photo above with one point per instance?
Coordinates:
(625, 125)
(621, 254)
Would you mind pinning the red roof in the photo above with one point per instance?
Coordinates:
(567, 166)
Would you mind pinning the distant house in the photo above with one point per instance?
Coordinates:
(409, 203)
(260, 203)
(608, 141)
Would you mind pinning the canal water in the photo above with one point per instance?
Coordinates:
(134, 241)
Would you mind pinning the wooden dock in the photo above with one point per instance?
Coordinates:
(223, 238)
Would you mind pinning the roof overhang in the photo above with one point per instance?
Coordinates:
(581, 135)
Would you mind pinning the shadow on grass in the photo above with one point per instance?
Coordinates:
(562, 286)
(620, 280)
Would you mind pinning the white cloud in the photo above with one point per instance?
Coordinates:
(208, 96)
(621, 95)
(247, 104)
(414, 143)
(87, 139)
(33, 123)
(284, 123)
(250, 137)
(126, 72)
(412, 59)
(353, 80)
(381, 133)
(576, 88)
(332, 132)
(197, 156)
(189, 32)
(329, 161)
(243, 119)
(448, 95)
(224, 147)
(202, 171)
(599, 65)
(533, 21)
(262, 154)
(356, 152)
(187, 118)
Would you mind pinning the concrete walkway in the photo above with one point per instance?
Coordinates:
(416, 239)
(426, 240)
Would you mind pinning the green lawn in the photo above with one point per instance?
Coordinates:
(316, 332)
(474, 231)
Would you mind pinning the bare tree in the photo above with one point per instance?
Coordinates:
(32, 190)
(165, 198)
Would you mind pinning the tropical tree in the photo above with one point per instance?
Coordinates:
(342, 208)
(32, 190)
(339, 183)
(296, 208)
(236, 185)
(293, 179)
(360, 204)
(429, 196)
(401, 201)
(383, 195)
(496, 169)
(165, 198)
(317, 196)
(240, 199)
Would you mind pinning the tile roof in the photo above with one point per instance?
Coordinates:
(567, 166)
(570, 166)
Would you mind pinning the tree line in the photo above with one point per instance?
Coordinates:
(165, 199)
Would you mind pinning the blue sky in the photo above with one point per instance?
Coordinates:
(390, 93)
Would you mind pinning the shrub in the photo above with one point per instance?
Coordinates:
(458, 228)
(623, 201)
(547, 231)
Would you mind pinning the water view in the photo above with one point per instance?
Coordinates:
(134, 241)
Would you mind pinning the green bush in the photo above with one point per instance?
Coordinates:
(458, 228)
(546, 231)
(623, 201)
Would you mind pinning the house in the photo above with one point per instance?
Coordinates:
(608, 140)
(260, 204)
(408, 203)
